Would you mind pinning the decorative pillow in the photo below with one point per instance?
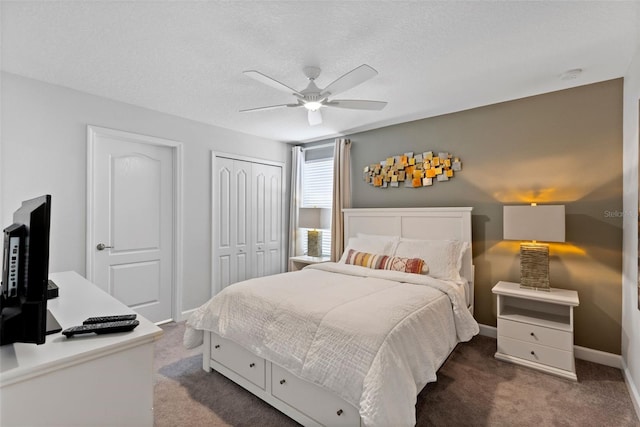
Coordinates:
(444, 257)
(385, 262)
(383, 245)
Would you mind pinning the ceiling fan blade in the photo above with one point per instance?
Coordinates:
(352, 79)
(356, 104)
(314, 117)
(270, 107)
(264, 79)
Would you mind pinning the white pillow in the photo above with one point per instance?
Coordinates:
(377, 245)
(443, 257)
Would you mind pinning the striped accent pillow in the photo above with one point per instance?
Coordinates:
(385, 262)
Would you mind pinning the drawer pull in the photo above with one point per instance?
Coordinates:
(217, 346)
(532, 334)
(533, 353)
(339, 412)
(251, 365)
(282, 381)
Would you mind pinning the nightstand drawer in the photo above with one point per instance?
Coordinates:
(536, 353)
(562, 340)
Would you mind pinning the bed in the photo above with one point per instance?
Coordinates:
(341, 344)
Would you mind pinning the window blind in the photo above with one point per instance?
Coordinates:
(317, 191)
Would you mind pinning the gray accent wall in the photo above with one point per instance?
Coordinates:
(630, 279)
(562, 147)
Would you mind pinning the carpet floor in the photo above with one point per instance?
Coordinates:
(473, 389)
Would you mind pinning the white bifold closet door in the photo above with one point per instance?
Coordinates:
(247, 221)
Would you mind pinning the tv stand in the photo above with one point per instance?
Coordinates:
(89, 380)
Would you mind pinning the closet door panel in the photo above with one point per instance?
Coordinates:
(260, 211)
(224, 197)
(268, 217)
(242, 215)
(223, 271)
(259, 264)
(247, 229)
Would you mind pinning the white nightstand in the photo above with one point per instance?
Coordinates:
(299, 262)
(535, 328)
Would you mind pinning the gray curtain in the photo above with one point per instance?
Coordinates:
(341, 194)
(297, 160)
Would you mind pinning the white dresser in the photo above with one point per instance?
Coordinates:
(87, 380)
(535, 328)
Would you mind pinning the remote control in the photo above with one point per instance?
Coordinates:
(104, 319)
(101, 328)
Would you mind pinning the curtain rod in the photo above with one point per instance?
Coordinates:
(328, 144)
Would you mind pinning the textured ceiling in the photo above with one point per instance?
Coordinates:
(186, 58)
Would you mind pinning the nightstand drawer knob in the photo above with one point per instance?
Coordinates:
(533, 353)
(217, 346)
(251, 365)
(340, 411)
(282, 381)
(532, 334)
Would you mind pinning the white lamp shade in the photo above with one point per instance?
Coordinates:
(314, 218)
(542, 223)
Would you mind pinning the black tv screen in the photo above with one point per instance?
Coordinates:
(23, 300)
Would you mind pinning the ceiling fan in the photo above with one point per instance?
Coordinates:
(313, 98)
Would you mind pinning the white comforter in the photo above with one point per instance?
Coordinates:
(373, 337)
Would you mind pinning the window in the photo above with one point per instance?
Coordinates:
(317, 191)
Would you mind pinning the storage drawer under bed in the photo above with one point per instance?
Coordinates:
(317, 403)
(238, 359)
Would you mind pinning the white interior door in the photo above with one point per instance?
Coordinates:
(132, 222)
(267, 219)
(232, 250)
(247, 220)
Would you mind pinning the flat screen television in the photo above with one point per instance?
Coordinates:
(25, 274)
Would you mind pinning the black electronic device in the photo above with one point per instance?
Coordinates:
(52, 290)
(23, 296)
(101, 328)
(104, 319)
(12, 260)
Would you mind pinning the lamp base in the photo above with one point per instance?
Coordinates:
(314, 243)
(534, 266)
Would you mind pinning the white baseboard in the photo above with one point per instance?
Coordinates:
(633, 390)
(597, 356)
(488, 331)
(588, 354)
(185, 315)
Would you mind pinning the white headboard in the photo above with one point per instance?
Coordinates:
(415, 223)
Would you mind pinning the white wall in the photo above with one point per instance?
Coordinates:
(630, 310)
(44, 151)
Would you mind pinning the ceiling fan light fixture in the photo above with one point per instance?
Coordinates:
(314, 99)
(312, 106)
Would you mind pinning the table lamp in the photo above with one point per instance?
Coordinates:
(534, 223)
(313, 219)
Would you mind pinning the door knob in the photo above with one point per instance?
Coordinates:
(102, 246)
